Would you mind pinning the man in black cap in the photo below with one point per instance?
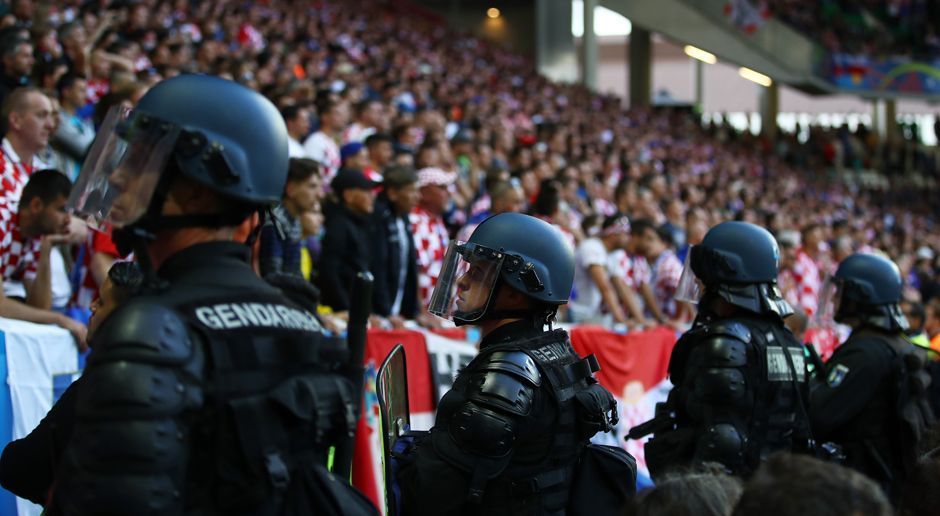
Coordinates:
(346, 241)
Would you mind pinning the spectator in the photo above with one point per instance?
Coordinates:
(354, 155)
(30, 121)
(93, 260)
(468, 177)
(368, 117)
(696, 227)
(75, 132)
(27, 234)
(932, 323)
(806, 270)
(297, 118)
(281, 234)
(789, 242)
(322, 145)
(689, 494)
(797, 485)
(592, 285)
(915, 313)
(347, 243)
(666, 271)
(17, 55)
(505, 197)
(430, 233)
(394, 257)
(74, 40)
(547, 206)
(674, 210)
(380, 151)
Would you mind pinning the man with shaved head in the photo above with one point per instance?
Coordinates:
(30, 120)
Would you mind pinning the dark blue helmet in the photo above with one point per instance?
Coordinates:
(869, 291)
(539, 261)
(509, 250)
(232, 139)
(738, 262)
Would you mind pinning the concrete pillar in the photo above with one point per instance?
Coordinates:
(589, 48)
(891, 120)
(555, 53)
(884, 118)
(699, 85)
(641, 77)
(769, 107)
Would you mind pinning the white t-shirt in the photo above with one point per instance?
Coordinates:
(295, 149)
(324, 149)
(59, 281)
(586, 298)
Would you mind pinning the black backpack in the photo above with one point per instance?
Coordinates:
(604, 481)
(915, 415)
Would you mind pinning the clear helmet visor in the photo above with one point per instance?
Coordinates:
(466, 283)
(829, 300)
(690, 288)
(122, 169)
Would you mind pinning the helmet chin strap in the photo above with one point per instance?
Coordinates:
(137, 237)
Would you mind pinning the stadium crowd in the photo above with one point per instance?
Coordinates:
(461, 130)
(874, 28)
(405, 135)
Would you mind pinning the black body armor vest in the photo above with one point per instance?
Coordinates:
(740, 391)
(536, 398)
(215, 395)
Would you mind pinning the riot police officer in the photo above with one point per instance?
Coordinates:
(207, 393)
(871, 400)
(739, 375)
(509, 433)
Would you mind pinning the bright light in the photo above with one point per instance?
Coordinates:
(757, 77)
(701, 55)
(606, 22)
(492, 12)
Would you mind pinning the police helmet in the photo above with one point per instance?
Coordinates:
(216, 132)
(519, 251)
(868, 288)
(737, 261)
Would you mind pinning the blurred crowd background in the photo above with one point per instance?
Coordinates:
(405, 135)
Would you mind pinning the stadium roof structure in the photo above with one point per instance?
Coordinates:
(750, 40)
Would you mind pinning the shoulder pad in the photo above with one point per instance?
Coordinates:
(724, 344)
(515, 363)
(731, 329)
(144, 331)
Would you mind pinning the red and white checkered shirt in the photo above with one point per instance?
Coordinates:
(431, 239)
(808, 282)
(97, 242)
(666, 273)
(18, 255)
(14, 175)
(323, 149)
(636, 271)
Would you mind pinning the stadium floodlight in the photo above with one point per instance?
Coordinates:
(701, 55)
(493, 13)
(757, 77)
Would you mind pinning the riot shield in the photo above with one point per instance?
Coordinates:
(391, 386)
